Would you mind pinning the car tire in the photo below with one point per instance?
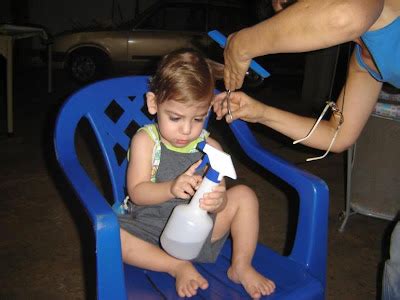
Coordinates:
(87, 65)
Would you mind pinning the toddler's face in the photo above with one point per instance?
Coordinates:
(181, 123)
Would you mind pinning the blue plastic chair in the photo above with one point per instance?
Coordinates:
(300, 275)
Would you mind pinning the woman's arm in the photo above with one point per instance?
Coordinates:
(360, 93)
(304, 26)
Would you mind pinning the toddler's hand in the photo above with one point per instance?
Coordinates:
(214, 200)
(185, 185)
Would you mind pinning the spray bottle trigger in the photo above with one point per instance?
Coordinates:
(203, 163)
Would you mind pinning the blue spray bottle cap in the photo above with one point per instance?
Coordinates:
(220, 163)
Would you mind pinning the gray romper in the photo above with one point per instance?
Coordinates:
(148, 221)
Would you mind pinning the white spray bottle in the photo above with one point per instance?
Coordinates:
(189, 225)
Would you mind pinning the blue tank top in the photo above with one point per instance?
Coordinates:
(384, 46)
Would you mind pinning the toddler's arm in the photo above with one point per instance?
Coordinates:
(140, 188)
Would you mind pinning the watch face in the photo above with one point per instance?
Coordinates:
(286, 3)
(281, 4)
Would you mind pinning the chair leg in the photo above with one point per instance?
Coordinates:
(349, 166)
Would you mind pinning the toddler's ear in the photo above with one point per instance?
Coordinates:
(151, 103)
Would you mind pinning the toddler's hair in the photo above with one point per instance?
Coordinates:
(183, 75)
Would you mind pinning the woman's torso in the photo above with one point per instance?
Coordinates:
(379, 48)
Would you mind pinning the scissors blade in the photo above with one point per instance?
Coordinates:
(228, 104)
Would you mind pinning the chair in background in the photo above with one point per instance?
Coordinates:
(300, 275)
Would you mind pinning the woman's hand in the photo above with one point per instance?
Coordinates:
(236, 63)
(185, 185)
(214, 200)
(242, 107)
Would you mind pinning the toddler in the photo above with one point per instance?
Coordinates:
(161, 175)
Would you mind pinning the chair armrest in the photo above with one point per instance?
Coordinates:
(109, 265)
(310, 245)
(110, 272)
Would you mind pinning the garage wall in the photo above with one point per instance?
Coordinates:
(58, 16)
(5, 9)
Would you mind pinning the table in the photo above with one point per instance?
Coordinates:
(373, 167)
(8, 34)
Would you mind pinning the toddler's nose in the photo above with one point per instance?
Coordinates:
(186, 128)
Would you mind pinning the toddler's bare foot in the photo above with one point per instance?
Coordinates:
(188, 280)
(255, 284)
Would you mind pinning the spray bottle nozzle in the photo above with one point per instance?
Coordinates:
(220, 163)
(205, 160)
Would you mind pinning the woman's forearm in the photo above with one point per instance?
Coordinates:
(297, 127)
(356, 101)
(309, 25)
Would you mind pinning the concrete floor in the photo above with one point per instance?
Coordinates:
(44, 234)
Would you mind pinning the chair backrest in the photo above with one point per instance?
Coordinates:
(114, 109)
(114, 115)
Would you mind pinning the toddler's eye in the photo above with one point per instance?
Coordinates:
(174, 119)
(199, 119)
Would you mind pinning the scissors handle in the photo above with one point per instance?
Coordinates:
(221, 40)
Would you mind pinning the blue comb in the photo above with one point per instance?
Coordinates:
(221, 40)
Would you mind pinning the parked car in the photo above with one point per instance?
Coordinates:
(136, 46)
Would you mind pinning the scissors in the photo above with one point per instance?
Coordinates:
(228, 105)
(221, 40)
